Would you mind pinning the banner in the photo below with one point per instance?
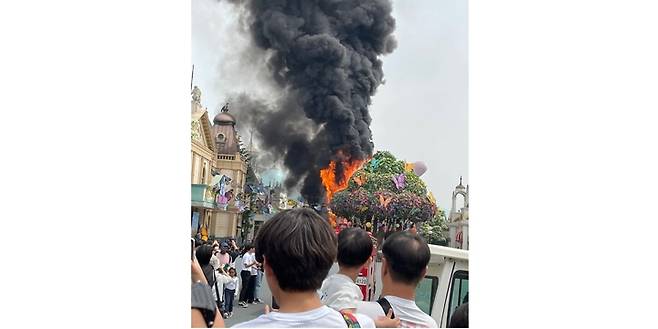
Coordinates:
(195, 222)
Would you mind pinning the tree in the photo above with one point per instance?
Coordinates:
(249, 195)
(435, 231)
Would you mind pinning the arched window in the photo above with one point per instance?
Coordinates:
(460, 201)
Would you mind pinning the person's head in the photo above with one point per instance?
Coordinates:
(459, 319)
(297, 248)
(354, 248)
(232, 272)
(406, 256)
(247, 248)
(203, 254)
(223, 248)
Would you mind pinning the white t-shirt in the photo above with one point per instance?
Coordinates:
(229, 282)
(253, 269)
(247, 259)
(406, 310)
(339, 292)
(322, 317)
(214, 261)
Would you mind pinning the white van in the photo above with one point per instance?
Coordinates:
(445, 285)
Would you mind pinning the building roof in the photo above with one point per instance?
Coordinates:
(202, 117)
(224, 118)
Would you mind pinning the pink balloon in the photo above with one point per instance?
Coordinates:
(419, 168)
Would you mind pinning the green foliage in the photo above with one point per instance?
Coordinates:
(435, 231)
(251, 178)
(247, 223)
(386, 163)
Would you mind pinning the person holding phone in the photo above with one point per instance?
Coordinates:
(223, 255)
(229, 278)
(247, 291)
(204, 313)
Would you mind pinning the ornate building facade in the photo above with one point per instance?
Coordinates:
(218, 173)
(231, 171)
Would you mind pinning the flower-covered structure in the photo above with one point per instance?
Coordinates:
(385, 191)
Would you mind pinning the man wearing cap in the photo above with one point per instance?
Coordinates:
(223, 256)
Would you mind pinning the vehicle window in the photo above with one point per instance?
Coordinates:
(458, 292)
(425, 293)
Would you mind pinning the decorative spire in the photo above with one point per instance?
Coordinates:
(460, 187)
(196, 94)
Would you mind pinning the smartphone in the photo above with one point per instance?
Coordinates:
(192, 248)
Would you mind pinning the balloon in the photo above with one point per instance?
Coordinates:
(420, 168)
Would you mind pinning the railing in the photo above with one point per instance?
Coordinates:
(225, 157)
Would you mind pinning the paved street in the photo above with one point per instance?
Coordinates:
(241, 314)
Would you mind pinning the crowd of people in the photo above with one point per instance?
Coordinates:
(217, 260)
(294, 251)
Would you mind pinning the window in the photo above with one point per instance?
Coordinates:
(458, 292)
(221, 137)
(425, 293)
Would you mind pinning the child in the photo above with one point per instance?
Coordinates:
(354, 250)
(231, 283)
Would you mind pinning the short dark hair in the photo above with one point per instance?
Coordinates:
(203, 254)
(300, 248)
(354, 247)
(407, 255)
(245, 248)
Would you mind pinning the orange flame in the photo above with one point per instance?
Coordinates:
(332, 219)
(333, 184)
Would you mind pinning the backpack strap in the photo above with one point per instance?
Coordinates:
(386, 306)
(216, 288)
(350, 319)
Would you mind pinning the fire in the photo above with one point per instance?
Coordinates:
(332, 219)
(333, 184)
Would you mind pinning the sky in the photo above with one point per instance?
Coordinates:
(419, 114)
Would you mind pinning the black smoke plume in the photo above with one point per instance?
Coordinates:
(325, 57)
